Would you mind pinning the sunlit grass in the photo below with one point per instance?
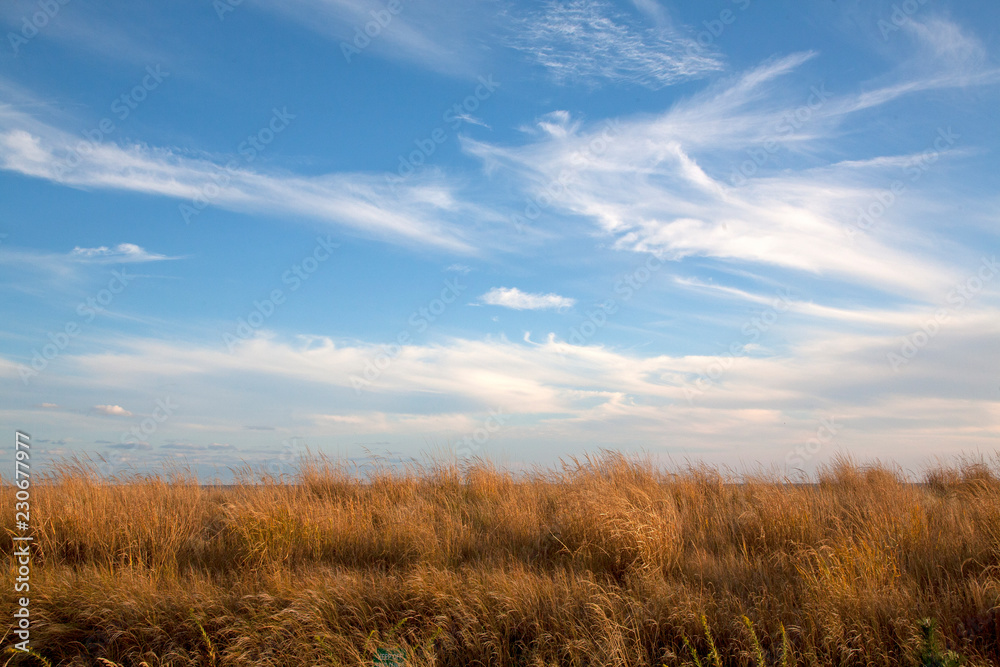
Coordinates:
(605, 561)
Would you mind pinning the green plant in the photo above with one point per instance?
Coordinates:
(758, 650)
(932, 654)
(786, 648)
(713, 652)
(205, 637)
(694, 654)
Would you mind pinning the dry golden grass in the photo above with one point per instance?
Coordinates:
(605, 561)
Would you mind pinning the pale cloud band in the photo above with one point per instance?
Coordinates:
(586, 392)
(123, 253)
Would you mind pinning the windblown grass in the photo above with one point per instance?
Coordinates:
(605, 561)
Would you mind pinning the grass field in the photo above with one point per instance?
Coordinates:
(605, 561)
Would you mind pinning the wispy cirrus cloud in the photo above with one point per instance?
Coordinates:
(117, 33)
(121, 253)
(942, 55)
(511, 297)
(945, 44)
(587, 41)
(664, 184)
(66, 268)
(435, 35)
(423, 211)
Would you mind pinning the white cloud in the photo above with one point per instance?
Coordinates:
(582, 40)
(652, 10)
(511, 297)
(123, 252)
(472, 120)
(668, 184)
(66, 268)
(112, 410)
(434, 35)
(588, 395)
(423, 210)
(945, 44)
(380, 422)
(113, 37)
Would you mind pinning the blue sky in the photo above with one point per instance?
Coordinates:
(734, 231)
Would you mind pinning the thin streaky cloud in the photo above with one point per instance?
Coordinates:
(436, 35)
(413, 212)
(121, 253)
(64, 268)
(651, 189)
